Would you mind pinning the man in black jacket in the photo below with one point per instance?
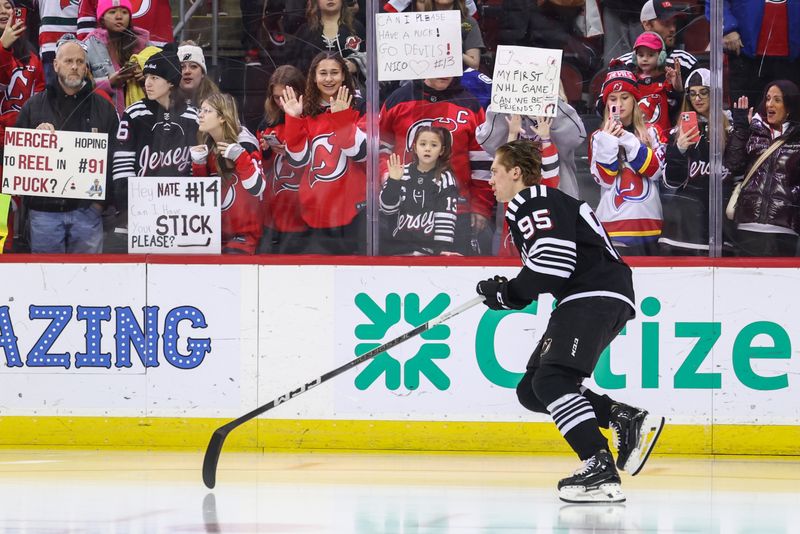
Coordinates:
(67, 225)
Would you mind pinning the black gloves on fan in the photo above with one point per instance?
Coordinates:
(739, 119)
(496, 292)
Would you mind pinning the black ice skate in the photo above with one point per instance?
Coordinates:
(596, 481)
(635, 434)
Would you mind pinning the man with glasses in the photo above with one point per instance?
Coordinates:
(67, 225)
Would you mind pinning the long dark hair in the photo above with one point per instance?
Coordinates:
(288, 76)
(312, 100)
(791, 100)
(443, 163)
(121, 45)
(314, 18)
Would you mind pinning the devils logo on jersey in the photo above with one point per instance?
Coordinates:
(19, 89)
(284, 176)
(328, 162)
(631, 188)
(353, 43)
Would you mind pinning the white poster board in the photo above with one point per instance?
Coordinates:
(60, 164)
(174, 215)
(526, 81)
(417, 45)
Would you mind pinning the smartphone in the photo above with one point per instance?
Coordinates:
(20, 13)
(614, 110)
(689, 121)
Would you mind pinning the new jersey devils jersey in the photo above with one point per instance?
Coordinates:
(155, 16)
(564, 249)
(332, 148)
(422, 212)
(241, 197)
(18, 81)
(282, 193)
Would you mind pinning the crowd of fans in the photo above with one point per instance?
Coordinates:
(298, 184)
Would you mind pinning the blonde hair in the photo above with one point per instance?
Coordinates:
(225, 106)
(525, 154)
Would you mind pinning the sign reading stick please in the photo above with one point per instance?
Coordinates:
(526, 81)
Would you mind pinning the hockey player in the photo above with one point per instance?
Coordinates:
(230, 151)
(566, 252)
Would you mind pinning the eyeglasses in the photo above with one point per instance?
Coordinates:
(702, 93)
(205, 111)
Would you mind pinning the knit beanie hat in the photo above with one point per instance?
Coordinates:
(165, 64)
(105, 5)
(192, 53)
(620, 80)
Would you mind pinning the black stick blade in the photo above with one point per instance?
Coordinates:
(212, 457)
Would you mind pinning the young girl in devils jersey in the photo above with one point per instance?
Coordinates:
(626, 160)
(21, 76)
(420, 198)
(229, 150)
(322, 135)
(285, 231)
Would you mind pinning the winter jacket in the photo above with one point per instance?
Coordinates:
(745, 16)
(567, 133)
(99, 60)
(84, 111)
(308, 42)
(772, 195)
(241, 196)
(686, 190)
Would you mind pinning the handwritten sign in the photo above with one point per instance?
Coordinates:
(526, 81)
(174, 215)
(60, 164)
(416, 45)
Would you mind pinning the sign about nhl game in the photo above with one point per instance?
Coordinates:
(416, 45)
(55, 164)
(174, 215)
(526, 81)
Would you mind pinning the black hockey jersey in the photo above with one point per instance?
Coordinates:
(152, 141)
(564, 250)
(422, 212)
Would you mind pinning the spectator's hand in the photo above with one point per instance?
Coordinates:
(121, 77)
(12, 33)
(673, 76)
(230, 151)
(741, 113)
(449, 253)
(732, 42)
(199, 154)
(342, 101)
(138, 74)
(514, 126)
(479, 222)
(613, 127)
(496, 292)
(46, 126)
(687, 138)
(542, 127)
(395, 167)
(291, 104)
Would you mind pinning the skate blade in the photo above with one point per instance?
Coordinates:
(650, 431)
(611, 492)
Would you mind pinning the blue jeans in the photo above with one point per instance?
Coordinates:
(78, 231)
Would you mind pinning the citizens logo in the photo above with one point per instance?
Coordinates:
(394, 311)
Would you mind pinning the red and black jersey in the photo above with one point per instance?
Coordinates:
(331, 147)
(241, 197)
(155, 16)
(658, 101)
(282, 192)
(414, 105)
(19, 81)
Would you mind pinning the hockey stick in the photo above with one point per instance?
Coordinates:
(218, 437)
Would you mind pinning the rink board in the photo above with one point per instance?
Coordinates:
(158, 355)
